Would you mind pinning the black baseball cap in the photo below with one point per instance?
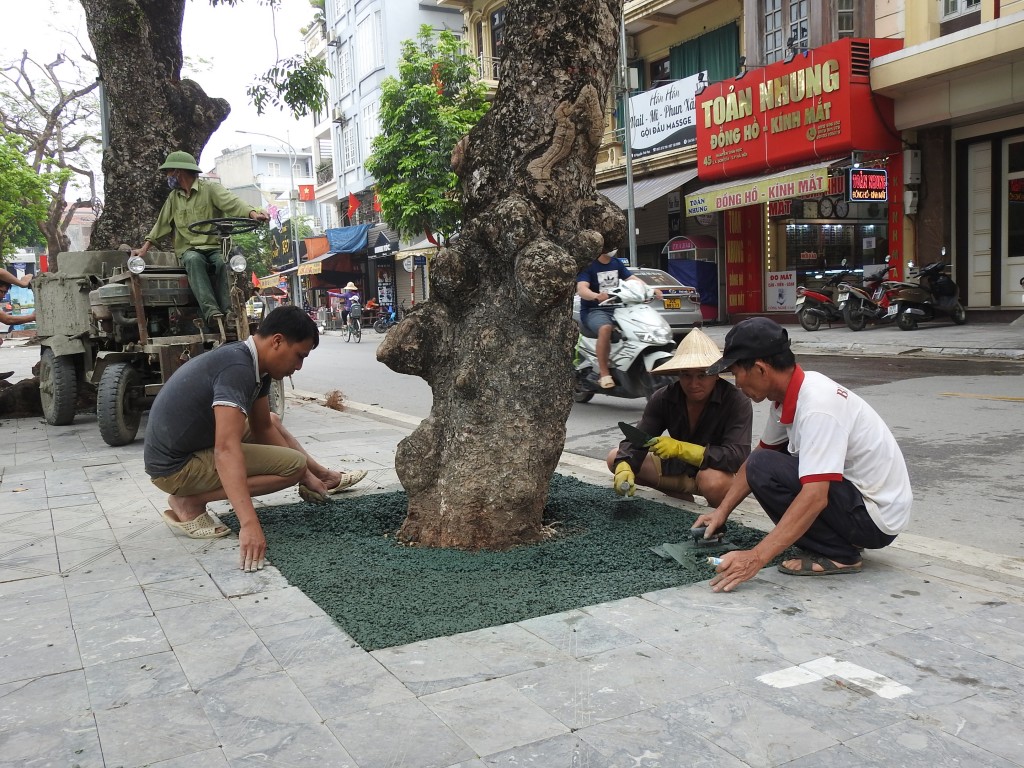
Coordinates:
(755, 337)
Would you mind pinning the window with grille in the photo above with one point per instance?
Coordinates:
(844, 18)
(369, 44)
(784, 20)
(348, 146)
(371, 126)
(953, 8)
(345, 84)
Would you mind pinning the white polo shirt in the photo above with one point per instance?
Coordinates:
(836, 435)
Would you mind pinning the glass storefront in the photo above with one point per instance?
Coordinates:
(816, 248)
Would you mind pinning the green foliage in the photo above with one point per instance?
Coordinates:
(258, 247)
(24, 196)
(433, 103)
(296, 84)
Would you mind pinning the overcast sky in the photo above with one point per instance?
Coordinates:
(227, 46)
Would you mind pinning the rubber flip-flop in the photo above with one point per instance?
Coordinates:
(202, 527)
(828, 567)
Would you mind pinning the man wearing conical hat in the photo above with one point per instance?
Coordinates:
(708, 422)
(193, 199)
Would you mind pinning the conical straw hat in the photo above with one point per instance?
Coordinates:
(696, 351)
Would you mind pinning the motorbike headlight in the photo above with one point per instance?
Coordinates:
(237, 263)
(136, 265)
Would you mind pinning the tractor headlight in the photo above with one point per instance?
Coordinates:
(237, 263)
(136, 265)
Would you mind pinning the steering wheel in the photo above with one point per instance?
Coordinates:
(224, 227)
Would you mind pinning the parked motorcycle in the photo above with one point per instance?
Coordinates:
(931, 295)
(866, 303)
(814, 307)
(641, 341)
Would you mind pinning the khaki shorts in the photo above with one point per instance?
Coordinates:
(677, 479)
(200, 474)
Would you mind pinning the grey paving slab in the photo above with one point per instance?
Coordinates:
(399, 734)
(208, 620)
(433, 665)
(508, 648)
(612, 684)
(268, 716)
(71, 740)
(988, 722)
(577, 633)
(750, 728)
(937, 671)
(651, 740)
(564, 750)
(276, 607)
(117, 683)
(473, 710)
(912, 745)
(149, 730)
(232, 658)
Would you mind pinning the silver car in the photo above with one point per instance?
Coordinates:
(679, 305)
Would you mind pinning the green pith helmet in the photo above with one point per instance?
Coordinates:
(182, 160)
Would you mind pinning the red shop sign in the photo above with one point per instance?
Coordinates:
(782, 115)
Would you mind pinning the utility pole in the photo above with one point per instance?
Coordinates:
(627, 144)
(292, 217)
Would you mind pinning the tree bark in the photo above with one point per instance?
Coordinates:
(495, 340)
(152, 111)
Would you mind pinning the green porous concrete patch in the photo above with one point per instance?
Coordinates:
(344, 556)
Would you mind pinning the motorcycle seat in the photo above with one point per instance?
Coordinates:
(585, 332)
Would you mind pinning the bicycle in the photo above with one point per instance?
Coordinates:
(389, 317)
(355, 327)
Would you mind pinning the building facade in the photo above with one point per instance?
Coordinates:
(772, 143)
(362, 48)
(958, 88)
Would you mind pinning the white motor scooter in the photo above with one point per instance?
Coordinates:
(641, 341)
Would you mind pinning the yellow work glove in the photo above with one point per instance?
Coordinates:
(625, 480)
(669, 448)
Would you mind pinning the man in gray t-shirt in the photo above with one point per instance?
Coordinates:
(211, 436)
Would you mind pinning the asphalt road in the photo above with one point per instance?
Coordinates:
(960, 425)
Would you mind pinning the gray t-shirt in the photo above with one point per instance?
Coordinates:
(181, 421)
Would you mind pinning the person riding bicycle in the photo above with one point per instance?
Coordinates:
(193, 199)
(350, 293)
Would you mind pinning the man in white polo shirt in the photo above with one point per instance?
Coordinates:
(827, 469)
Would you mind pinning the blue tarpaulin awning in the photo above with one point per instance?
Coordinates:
(347, 239)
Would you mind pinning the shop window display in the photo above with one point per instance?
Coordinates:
(815, 249)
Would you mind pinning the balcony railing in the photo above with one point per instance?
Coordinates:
(488, 67)
(325, 174)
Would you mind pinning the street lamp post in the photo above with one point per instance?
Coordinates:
(292, 217)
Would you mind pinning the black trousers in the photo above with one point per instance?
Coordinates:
(841, 529)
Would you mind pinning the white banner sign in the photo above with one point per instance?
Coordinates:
(780, 291)
(664, 118)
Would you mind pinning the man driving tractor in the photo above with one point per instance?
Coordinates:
(193, 199)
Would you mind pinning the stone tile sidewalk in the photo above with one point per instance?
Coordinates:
(122, 644)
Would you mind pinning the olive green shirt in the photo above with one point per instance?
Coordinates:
(207, 200)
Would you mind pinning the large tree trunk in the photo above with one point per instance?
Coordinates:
(152, 110)
(495, 339)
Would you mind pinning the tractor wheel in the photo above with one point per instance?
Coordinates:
(58, 388)
(116, 412)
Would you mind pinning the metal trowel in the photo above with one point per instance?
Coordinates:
(713, 545)
(634, 435)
